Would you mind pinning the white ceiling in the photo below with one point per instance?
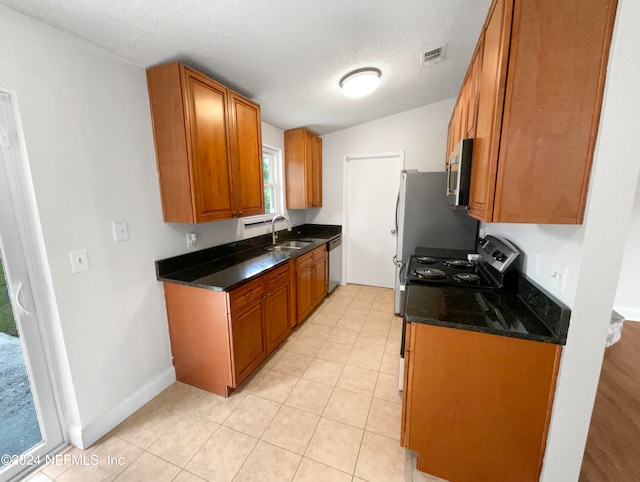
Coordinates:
(288, 55)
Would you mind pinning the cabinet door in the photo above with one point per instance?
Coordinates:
(450, 141)
(304, 297)
(405, 420)
(246, 154)
(316, 171)
(495, 52)
(206, 113)
(308, 166)
(247, 337)
(464, 108)
(486, 395)
(319, 275)
(472, 94)
(277, 320)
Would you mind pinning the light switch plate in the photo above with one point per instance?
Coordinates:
(79, 260)
(120, 231)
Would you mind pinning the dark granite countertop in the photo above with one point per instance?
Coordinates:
(225, 267)
(527, 311)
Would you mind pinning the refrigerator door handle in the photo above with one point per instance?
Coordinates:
(397, 208)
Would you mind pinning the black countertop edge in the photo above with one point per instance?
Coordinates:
(479, 329)
(228, 266)
(552, 312)
(486, 311)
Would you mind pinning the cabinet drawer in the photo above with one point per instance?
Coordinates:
(245, 294)
(319, 254)
(304, 261)
(278, 277)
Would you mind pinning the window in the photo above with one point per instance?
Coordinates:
(270, 172)
(273, 186)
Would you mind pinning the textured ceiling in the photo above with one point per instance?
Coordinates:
(288, 55)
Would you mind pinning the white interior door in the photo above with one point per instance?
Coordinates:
(29, 420)
(372, 190)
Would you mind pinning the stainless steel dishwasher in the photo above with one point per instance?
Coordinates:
(334, 247)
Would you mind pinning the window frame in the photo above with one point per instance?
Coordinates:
(277, 167)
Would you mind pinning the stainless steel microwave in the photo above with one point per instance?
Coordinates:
(459, 175)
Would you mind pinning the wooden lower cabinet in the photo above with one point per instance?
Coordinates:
(311, 281)
(319, 278)
(277, 308)
(476, 406)
(219, 338)
(247, 339)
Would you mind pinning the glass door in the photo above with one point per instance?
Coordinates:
(29, 419)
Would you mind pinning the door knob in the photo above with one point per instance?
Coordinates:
(393, 231)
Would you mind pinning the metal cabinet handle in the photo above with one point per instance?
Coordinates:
(247, 293)
(393, 231)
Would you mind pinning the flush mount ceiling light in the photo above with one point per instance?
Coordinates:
(360, 82)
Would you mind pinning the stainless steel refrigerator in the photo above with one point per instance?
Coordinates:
(425, 218)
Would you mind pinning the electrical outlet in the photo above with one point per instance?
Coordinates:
(79, 260)
(120, 231)
(192, 239)
(558, 276)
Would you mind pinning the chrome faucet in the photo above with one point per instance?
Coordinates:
(274, 235)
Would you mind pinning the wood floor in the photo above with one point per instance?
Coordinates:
(613, 444)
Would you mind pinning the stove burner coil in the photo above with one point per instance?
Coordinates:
(467, 278)
(429, 273)
(458, 263)
(425, 259)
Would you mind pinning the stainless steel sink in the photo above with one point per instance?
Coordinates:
(286, 245)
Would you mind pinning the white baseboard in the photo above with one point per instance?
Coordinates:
(83, 437)
(628, 312)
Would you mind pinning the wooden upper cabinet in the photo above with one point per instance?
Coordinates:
(316, 171)
(206, 109)
(540, 95)
(473, 88)
(464, 116)
(495, 49)
(303, 169)
(208, 147)
(246, 147)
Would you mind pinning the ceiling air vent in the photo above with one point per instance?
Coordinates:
(434, 56)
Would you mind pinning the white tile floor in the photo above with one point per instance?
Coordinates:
(324, 407)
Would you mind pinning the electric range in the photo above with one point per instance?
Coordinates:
(491, 269)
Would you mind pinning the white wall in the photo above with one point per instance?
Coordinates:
(627, 301)
(554, 243)
(88, 132)
(421, 133)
